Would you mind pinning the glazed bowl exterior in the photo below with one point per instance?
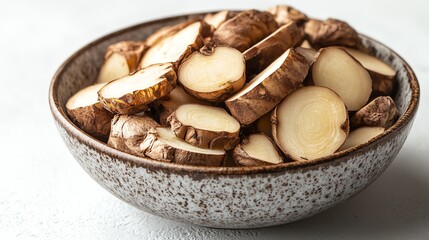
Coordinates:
(226, 197)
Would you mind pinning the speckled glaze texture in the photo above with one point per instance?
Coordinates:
(244, 197)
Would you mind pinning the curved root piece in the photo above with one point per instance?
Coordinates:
(172, 101)
(360, 136)
(205, 126)
(269, 87)
(257, 150)
(121, 59)
(128, 131)
(308, 53)
(383, 76)
(262, 54)
(380, 112)
(263, 125)
(336, 69)
(166, 31)
(310, 123)
(331, 32)
(213, 74)
(216, 19)
(131, 94)
(175, 47)
(87, 113)
(163, 145)
(244, 30)
(285, 14)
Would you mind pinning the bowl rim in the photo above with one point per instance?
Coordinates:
(62, 119)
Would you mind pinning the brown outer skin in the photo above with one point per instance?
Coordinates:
(262, 54)
(241, 158)
(203, 138)
(274, 121)
(166, 31)
(331, 32)
(229, 15)
(128, 131)
(308, 53)
(245, 30)
(221, 94)
(382, 85)
(131, 50)
(164, 114)
(206, 31)
(93, 119)
(263, 125)
(266, 95)
(138, 100)
(285, 14)
(380, 112)
(157, 150)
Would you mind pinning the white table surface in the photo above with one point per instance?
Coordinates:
(44, 193)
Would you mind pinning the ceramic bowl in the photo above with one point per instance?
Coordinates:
(226, 197)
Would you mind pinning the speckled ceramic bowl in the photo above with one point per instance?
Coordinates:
(244, 197)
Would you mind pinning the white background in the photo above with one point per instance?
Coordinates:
(44, 194)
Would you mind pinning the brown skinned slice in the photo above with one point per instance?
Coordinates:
(310, 123)
(269, 87)
(131, 94)
(213, 74)
(175, 47)
(257, 150)
(88, 114)
(308, 53)
(336, 69)
(163, 145)
(173, 100)
(244, 30)
(380, 112)
(285, 14)
(382, 75)
(361, 135)
(129, 131)
(262, 54)
(166, 31)
(216, 19)
(331, 32)
(205, 126)
(121, 59)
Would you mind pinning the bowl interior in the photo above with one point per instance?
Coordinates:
(81, 70)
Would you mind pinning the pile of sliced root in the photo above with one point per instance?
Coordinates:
(249, 88)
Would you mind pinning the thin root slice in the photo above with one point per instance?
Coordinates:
(163, 145)
(310, 123)
(172, 101)
(360, 136)
(131, 94)
(205, 126)
(175, 47)
(262, 54)
(382, 75)
(121, 59)
(244, 30)
(213, 74)
(87, 113)
(257, 150)
(336, 69)
(269, 87)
